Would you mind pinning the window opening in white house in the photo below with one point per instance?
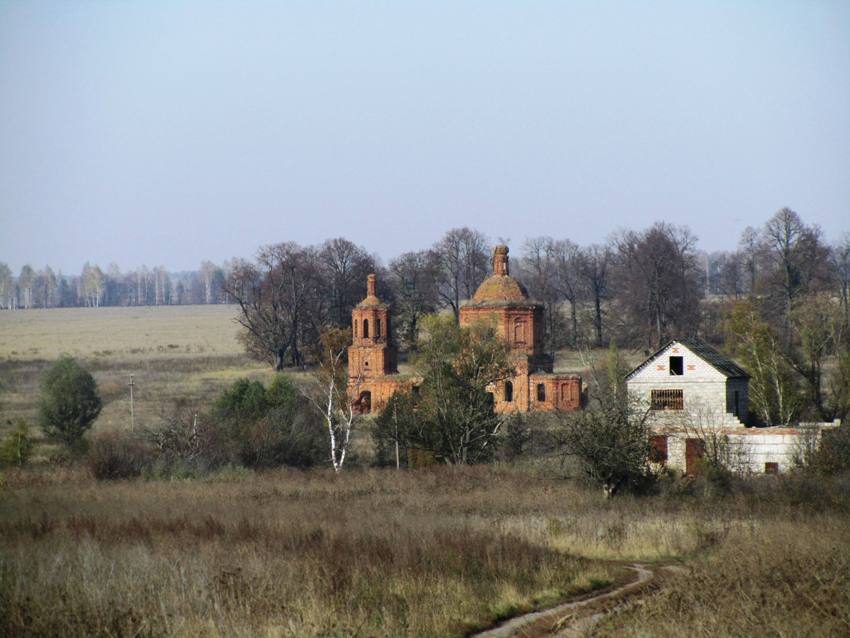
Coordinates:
(667, 400)
(677, 367)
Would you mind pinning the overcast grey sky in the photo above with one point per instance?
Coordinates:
(171, 132)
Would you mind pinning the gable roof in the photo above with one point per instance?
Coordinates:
(723, 364)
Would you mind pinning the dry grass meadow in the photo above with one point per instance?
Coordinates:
(433, 552)
(174, 352)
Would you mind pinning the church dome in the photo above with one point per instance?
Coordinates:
(500, 287)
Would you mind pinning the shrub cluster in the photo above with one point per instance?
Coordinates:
(118, 455)
(249, 425)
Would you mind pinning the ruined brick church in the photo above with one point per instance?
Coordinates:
(372, 357)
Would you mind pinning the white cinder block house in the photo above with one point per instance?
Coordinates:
(695, 396)
(688, 378)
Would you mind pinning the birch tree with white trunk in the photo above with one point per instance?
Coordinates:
(330, 395)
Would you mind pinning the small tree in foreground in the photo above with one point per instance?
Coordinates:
(331, 397)
(610, 438)
(451, 415)
(69, 402)
(17, 445)
(459, 367)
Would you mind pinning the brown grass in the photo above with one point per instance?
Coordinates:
(432, 552)
(769, 578)
(372, 553)
(174, 352)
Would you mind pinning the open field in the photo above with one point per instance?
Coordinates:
(185, 353)
(434, 552)
(174, 352)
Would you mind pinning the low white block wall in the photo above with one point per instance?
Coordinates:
(751, 449)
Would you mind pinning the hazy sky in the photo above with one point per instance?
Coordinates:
(171, 132)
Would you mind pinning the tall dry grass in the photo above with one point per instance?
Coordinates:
(432, 552)
(770, 578)
(372, 553)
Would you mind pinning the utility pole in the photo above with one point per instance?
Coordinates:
(132, 410)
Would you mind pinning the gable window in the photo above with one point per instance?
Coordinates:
(677, 368)
(541, 392)
(667, 400)
(509, 391)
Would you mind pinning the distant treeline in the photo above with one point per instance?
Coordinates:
(638, 288)
(93, 287)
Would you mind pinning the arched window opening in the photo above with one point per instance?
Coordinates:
(509, 391)
(519, 331)
(365, 328)
(541, 392)
(365, 402)
(377, 328)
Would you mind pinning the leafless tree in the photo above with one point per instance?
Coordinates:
(46, 286)
(722, 450)
(208, 275)
(731, 274)
(748, 246)
(26, 280)
(345, 267)
(796, 261)
(659, 282)
(568, 281)
(840, 266)
(277, 301)
(537, 269)
(463, 256)
(415, 279)
(593, 266)
(331, 396)
(7, 287)
(92, 284)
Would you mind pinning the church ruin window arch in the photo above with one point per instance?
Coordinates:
(365, 402)
(519, 331)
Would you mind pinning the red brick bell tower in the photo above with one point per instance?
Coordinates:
(372, 357)
(372, 353)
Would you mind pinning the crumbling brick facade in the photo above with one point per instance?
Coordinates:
(502, 300)
(372, 357)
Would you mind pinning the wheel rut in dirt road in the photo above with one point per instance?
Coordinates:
(569, 618)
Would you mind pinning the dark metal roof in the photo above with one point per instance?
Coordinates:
(719, 362)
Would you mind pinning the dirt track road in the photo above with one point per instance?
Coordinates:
(570, 618)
